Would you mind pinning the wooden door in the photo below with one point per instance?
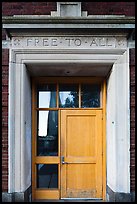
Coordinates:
(81, 154)
(80, 138)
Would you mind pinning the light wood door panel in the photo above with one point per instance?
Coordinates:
(81, 146)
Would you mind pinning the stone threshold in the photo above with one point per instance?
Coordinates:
(69, 200)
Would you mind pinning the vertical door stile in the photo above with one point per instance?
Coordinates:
(63, 148)
(59, 151)
(104, 139)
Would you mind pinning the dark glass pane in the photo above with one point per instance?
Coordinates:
(90, 95)
(47, 140)
(68, 96)
(46, 96)
(47, 176)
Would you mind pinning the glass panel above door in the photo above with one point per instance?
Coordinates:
(90, 95)
(68, 96)
(46, 96)
(47, 134)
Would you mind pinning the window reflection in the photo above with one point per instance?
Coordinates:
(47, 176)
(46, 96)
(68, 96)
(47, 144)
(90, 95)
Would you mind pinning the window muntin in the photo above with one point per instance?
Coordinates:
(69, 95)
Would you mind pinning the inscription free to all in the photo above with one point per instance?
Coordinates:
(72, 42)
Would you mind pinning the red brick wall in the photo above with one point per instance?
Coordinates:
(109, 8)
(44, 8)
(132, 114)
(5, 56)
(25, 8)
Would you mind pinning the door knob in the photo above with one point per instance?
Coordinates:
(62, 160)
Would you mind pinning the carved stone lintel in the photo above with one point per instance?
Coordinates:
(73, 42)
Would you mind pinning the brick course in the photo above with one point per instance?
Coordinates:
(44, 8)
(5, 62)
(132, 119)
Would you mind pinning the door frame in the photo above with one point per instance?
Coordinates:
(37, 80)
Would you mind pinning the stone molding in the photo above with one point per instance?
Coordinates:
(43, 19)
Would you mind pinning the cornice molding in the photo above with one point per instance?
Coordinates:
(20, 25)
(44, 19)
